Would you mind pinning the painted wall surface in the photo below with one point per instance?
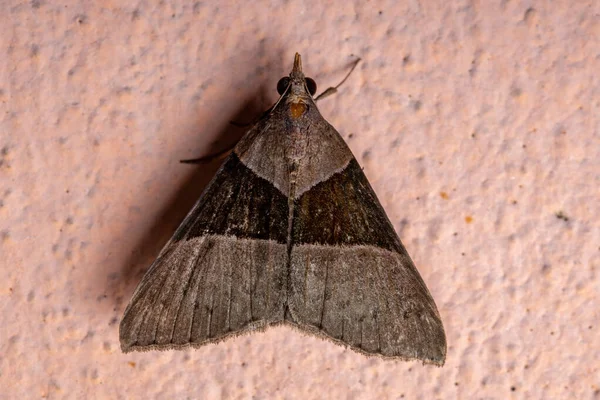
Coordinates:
(477, 124)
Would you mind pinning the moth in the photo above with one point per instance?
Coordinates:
(289, 231)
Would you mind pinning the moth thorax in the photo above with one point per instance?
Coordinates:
(298, 144)
(297, 101)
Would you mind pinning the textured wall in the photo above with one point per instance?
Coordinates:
(477, 124)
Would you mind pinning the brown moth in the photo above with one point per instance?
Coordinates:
(289, 231)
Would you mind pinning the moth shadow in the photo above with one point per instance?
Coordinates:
(182, 200)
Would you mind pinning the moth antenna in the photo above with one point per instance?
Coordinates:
(331, 90)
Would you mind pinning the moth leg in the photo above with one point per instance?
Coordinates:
(211, 157)
(255, 121)
(242, 124)
(223, 154)
(333, 89)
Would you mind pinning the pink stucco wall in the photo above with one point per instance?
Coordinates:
(477, 124)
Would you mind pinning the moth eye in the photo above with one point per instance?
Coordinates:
(283, 84)
(311, 86)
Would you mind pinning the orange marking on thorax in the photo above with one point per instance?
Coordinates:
(297, 110)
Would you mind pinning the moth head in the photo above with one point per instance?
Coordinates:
(296, 83)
